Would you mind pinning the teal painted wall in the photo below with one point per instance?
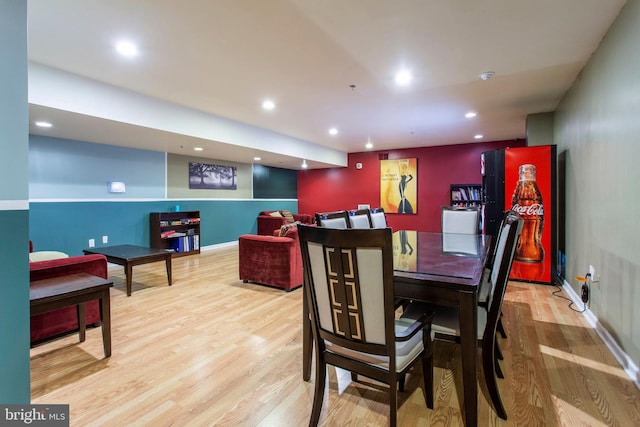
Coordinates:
(14, 278)
(14, 310)
(68, 226)
(69, 202)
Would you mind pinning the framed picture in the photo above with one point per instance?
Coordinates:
(212, 177)
(399, 186)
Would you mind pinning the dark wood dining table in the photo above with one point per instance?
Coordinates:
(443, 269)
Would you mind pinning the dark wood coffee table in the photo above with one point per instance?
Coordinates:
(75, 289)
(130, 255)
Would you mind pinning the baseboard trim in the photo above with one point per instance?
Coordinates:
(218, 246)
(623, 359)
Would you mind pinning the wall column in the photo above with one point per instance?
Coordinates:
(14, 205)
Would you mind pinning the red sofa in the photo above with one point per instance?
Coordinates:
(267, 223)
(271, 260)
(58, 322)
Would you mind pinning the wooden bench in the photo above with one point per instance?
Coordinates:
(75, 289)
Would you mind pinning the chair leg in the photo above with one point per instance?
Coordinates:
(498, 369)
(427, 369)
(401, 382)
(501, 329)
(354, 377)
(393, 404)
(488, 367)
(499, 351)
(318, 394)
(498, 356)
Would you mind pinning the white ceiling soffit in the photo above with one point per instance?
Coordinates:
(327, 63)
(123, 117)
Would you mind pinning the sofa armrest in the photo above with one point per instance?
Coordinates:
(303, 218)
(96, 265)
(266, 224)
(270, 260)
(51, 324)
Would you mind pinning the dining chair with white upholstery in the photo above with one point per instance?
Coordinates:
(335, 219)
(446, 322)
(360, 218)
(378, 218)
(350, 294)
(462, 220)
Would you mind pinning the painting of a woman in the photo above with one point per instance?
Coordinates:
(404, 206)
(398, 186)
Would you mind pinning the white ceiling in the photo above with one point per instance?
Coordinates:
(223, 57)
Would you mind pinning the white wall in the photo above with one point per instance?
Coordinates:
(597, 126)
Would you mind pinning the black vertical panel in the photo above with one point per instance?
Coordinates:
(561, 210)
(493, 189)
(556, 210)
(274, 183)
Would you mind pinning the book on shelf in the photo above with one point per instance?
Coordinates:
(173, 235)
(463, 193)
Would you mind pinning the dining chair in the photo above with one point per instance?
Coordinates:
(446, 322)
(462, 220)
(378, 218)
(350, 294)
(483, 292)
(360, 218)
(336, 219)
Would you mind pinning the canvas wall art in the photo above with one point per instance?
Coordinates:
(212, 177)
(399, 186)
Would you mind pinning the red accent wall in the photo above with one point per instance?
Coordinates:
(323, 190)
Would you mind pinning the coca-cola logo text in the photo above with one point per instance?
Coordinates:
(533, 209)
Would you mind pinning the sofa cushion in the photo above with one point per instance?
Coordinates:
(288, 216)
(46, 255)
(285, 228)
(275, 213)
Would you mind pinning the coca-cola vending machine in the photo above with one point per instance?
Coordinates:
(523, 179)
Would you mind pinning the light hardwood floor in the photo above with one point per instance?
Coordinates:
(211, 350)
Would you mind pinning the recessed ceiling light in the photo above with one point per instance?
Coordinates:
(198, 148)
(479, 136)
(403, 77)
(487, 75)
(257, 159)
(268, 105)
(333, 131)
(44, 124)
(126, 48)
(471, 114)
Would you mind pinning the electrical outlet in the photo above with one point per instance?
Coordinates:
(92, 243)
(594, 280)
(584, 293)
(105, 239)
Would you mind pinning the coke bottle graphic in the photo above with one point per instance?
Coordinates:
(527, 201)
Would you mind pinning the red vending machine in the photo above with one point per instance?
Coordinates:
(524, 180)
